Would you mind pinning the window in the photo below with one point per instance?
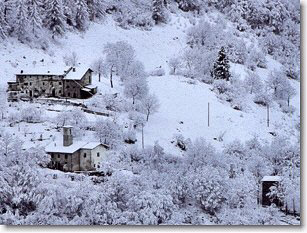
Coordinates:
(66, 156)
(98, 154)
(98, 166)
(43, 83)
(84, 155)
(94, 165)
(67, 87)
(30, 84)
(60, 91)
(60, 83)
(59, 156)
(52, 156)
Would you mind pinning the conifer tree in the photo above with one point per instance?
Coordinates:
(21, 21)
(82, 16)
(4, 27)
(158, 11)
(221, 66)
(54, 17)
(35, 20)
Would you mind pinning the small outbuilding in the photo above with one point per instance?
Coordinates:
(265, 188)
(67, 155)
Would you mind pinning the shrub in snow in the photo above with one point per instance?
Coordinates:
(221, 86)
(209, 191)
(285, 108)
(130, 137)
(256, 59)
(174, 64)
(263, 98)
(157, 72)
(138, 119)
(31, 114)
(181, 142)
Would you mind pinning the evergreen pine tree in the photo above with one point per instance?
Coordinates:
(54, 18)
(221, 66)
(21, 21)
(96, 9)
(82, 16)
(158, 11)
(35, 20)
(4, 27)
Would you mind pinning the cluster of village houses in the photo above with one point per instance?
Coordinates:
(78, 156)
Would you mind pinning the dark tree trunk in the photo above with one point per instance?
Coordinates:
(99, 77)
(111, 77)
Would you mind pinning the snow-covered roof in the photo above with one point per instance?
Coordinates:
(91, 86)
(271, 178)
(57, 147)
(76, 73)
(91, 145)
(43, 71)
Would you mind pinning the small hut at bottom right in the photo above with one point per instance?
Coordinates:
(265, 188)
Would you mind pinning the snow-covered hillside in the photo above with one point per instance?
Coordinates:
(180, 100)
(206, 149)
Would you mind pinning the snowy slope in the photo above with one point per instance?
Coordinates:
(179, 100)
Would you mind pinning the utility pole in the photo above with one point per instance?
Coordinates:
(268, 115)
(208, 114)
(143, 136)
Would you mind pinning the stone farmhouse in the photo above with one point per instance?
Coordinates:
(70, 156)
(72, 83)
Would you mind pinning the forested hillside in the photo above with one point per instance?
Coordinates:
(198, 101)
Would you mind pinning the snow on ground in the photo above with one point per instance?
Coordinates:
(188, 103)
(179, 100)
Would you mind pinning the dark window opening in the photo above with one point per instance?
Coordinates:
(66, 156)
(98, 154)
(59, 156)
(98, 166)
(84, 155)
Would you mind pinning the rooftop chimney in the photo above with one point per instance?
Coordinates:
(67, 136)
(74, 69)
(21, 71)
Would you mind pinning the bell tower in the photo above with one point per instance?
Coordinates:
(67, 135)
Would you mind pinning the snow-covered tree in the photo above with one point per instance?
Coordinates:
(35, 19)
(150, 105)
(108, 132)
(159, 14)
(82, 16)
(3, 103)
(174, 64)
(135, 88)
(136, 70)
(276, 81)
(253, 83)
(22, 21)
(71, 59)
(221, 66)
(96, 9)
(98, 67)
(4, 26)
(119, 56)
(54, 19)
